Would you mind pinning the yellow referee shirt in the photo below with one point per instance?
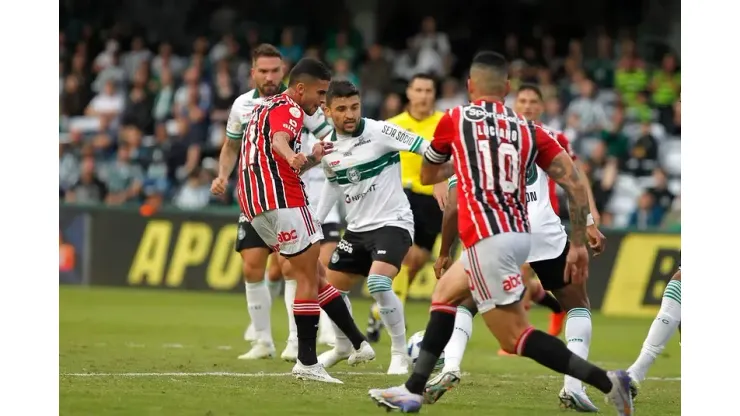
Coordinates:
(411, 162)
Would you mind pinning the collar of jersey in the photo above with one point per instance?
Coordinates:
(356, 133)
(282, 88)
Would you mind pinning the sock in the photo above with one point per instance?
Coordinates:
(455, 349)
(401, 284)
(336, 307)
(288, 297)
(391, 309)
(306, 314)
(258, 305)
(325, 325)
(663, 327)
(440, 327)
(546, 299)
(274, 288)
(550, 352)
(578, 336)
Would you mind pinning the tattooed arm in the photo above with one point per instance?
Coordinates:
(563, 171)
(311, 161)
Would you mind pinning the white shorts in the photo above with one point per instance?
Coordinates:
(289, 231)
(494, 266)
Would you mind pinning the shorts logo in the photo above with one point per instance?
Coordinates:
(295, 112)
(353, 175)
(241, 233)
(242, 218)
(333, 233)
(381, 251)
(287, 237)
(345, 246)
(335, 257)
(512, 282)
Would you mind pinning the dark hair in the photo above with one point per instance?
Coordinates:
(309, 68)
(530, 87)
(424, 76)
(491, 59)
(341, 89)
(266, 50)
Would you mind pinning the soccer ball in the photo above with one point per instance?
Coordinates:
(414, 346)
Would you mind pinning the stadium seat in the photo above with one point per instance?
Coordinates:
(674, 185)
(670, 157)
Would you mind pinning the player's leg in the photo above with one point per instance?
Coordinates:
(544, 298)
(450, 291)
(274, 275)
(497, 289)
(574, 300)
(387, 247)
(328, 244)
(662, 329)
(290, 353)
(254, 253)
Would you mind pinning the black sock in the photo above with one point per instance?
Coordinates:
(437, 335)
(550, 302)
(553, 354)
(306, 315)
(337, 310)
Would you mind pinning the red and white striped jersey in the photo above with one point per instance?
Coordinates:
(492, 147)
(267, 181)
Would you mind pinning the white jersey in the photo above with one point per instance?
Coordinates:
(548, 233)
(314, 126)
(366, 168)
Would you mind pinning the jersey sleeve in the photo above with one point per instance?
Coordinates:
(317, 124)
(565, 144)
(328, 172)
(440, 150)
(285, 118)
(234, 126)
(399, 139)
(547, 147)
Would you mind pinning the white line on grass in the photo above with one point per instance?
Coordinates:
(346, 373)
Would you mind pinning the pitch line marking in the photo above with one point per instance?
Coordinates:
(344, 373)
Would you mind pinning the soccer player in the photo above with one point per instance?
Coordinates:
(363, 171)
(493, 148)
(267, 73)
(662, 329)
(547, 257)
(421, 119)
(272, 197)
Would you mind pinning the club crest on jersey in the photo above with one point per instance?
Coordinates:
(295, 112)
(475, 113)
(353, 175)
(532, 175)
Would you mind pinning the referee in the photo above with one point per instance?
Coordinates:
(420, 118)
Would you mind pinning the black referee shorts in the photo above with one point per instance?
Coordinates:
(427, 219)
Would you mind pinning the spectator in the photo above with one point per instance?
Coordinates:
(640, 109)
(665, 86)
(122, 178)
(192, 82)
(432, 48)
(591, 112)
(675, 127)
(225, 94)
(195, 194)
(572, 127)
(113, 72)
(88, 189)
(644, 155)
(107, 105)
(647, 215)
(672, 219)
(192, 116)
(342, 71)
(601, 68)
(106, 57)
(451, 95)
(375, 77)
(602, 172)
(138, 55)
(166, 60)
(341, 50)
(547, 86)
(617, 143)
(552, 117)
(164, 98)
(137, 114)
(288, 48)
(631, 77)
(391, 106)
(73, 99)
(662, 196)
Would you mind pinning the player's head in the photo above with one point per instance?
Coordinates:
(420, 92)
(489, 76)
(309, 80)
(267, 69)
(529, 101)
(343, 106)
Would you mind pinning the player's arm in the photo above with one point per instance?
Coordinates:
(449, 220)
(560, 167)
(565, 144)
(330, 195)
(232, 143)
(396, 138)
(317, 124)
(437, 166)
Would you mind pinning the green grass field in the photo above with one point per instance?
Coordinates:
(145, 352)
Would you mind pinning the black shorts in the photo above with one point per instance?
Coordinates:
(247, 237)
(427, 219)
(551, 272)
(331, 232)
(356, 252)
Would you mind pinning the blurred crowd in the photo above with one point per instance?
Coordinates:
(143, 124)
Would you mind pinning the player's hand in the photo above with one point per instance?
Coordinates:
(218, 186)
(297, 161)
(440, 194)
(576, 265)
(596, 239)
(322, 149)
(441, 265)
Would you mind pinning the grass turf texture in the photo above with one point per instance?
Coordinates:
(136, 344)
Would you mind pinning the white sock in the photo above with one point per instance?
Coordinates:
(289, 297)
(273, 287)
(455, 348)
(343, 343)
(325, 323)
(391, 309)
(578, 336)
(258, 304)
(661, 330)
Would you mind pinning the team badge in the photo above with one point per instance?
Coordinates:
(241, 233)
(335, 257)
(531, 175)
(295, 112)
(353, 175)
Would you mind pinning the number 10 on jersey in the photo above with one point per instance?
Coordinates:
(508, 166)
